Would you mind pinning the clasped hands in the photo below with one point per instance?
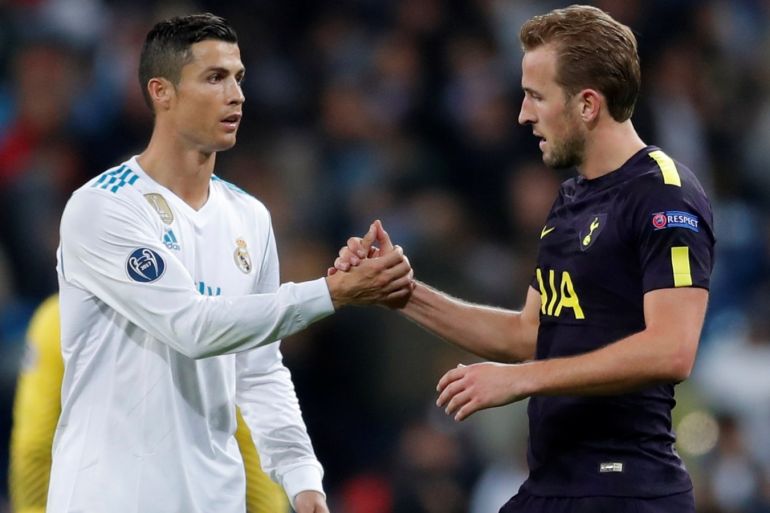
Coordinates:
(462, 390)
(374, 272)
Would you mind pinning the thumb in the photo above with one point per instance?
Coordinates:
(369, 239)
(382, 237)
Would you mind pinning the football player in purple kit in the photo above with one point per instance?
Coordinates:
(617, 301)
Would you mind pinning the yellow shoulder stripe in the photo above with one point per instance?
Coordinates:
(680, 263)
(667, 167)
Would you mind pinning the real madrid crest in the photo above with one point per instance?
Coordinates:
(160, 205)
(242, 258)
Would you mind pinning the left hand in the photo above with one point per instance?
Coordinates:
(465, 390)
(310, 501)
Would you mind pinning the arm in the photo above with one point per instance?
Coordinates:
(36, 411)
(663, 352)
(100, 237)
(489, 332)
(492, 333)
(269, 406)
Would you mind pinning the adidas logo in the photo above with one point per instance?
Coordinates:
(169, 240)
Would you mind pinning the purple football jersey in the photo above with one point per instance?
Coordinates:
(608, 241)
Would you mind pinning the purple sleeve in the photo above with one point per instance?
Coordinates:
(674, 235)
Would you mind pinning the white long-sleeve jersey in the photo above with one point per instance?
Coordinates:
(171, 317)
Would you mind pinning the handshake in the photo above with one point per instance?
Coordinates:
(370, 270)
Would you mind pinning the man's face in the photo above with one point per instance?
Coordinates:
(207, 105)
(553, 116)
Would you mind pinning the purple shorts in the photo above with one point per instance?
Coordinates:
(526, 503)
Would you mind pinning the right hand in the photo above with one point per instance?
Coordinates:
(360, 248)
(310, 501)
(383, 275)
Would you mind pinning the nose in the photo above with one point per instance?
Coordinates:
(235, 93)
(526, 115)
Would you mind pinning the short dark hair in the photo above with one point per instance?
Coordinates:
(167, 46)
(594, 50)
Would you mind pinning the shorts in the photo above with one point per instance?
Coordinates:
(522, 502)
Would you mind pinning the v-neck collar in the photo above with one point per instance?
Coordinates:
(200, 215)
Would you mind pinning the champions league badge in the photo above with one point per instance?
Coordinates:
(241, 255)
(160, 205)
(145, 265)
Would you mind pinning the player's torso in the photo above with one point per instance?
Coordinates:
(219, 245)
(131, 401)
(604, 244)
(587, 270)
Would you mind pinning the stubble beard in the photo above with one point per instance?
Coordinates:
(567, 153)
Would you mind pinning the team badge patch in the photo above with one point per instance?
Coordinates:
(145, 265)
(160, 205)
(592, 230)
(241, 255)
(675, 219)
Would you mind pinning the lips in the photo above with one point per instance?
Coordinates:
(231, 122)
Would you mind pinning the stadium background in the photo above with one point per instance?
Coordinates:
(406, 111)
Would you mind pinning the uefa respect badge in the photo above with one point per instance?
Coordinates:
(675, 219)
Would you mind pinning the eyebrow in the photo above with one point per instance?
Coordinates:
(226, 71)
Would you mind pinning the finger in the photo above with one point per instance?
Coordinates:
(348, 255)
(398, 298)
(403, 283)
(392, 258)
(368, 241)
(467, 410)
(449, 377)
(458, 402)
(356, 246)
(398, 271)
(451, 390)
(383, 239)
(341, 264)
(330, 271)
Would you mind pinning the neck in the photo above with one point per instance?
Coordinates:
(609, 145)
(183, 170)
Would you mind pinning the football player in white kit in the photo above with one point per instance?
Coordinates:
(172, 308)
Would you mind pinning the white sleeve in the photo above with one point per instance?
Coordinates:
(268, 402)
(110, 248)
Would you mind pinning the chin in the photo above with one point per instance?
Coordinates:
(223, 145)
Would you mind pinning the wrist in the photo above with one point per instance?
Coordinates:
(333, 284)
(532, 384)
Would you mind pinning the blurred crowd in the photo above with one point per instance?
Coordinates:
(405, 110)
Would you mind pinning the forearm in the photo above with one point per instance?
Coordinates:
(664, 352)
(269, 406)
(492, 333)
(643, 359)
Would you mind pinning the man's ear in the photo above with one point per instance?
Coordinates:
(161, 92)
(590, 105)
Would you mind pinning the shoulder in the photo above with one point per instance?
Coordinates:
(656, 170)
(660, 178)
(239, 198)
(665, 193)
(118, 185)
(108, 200)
